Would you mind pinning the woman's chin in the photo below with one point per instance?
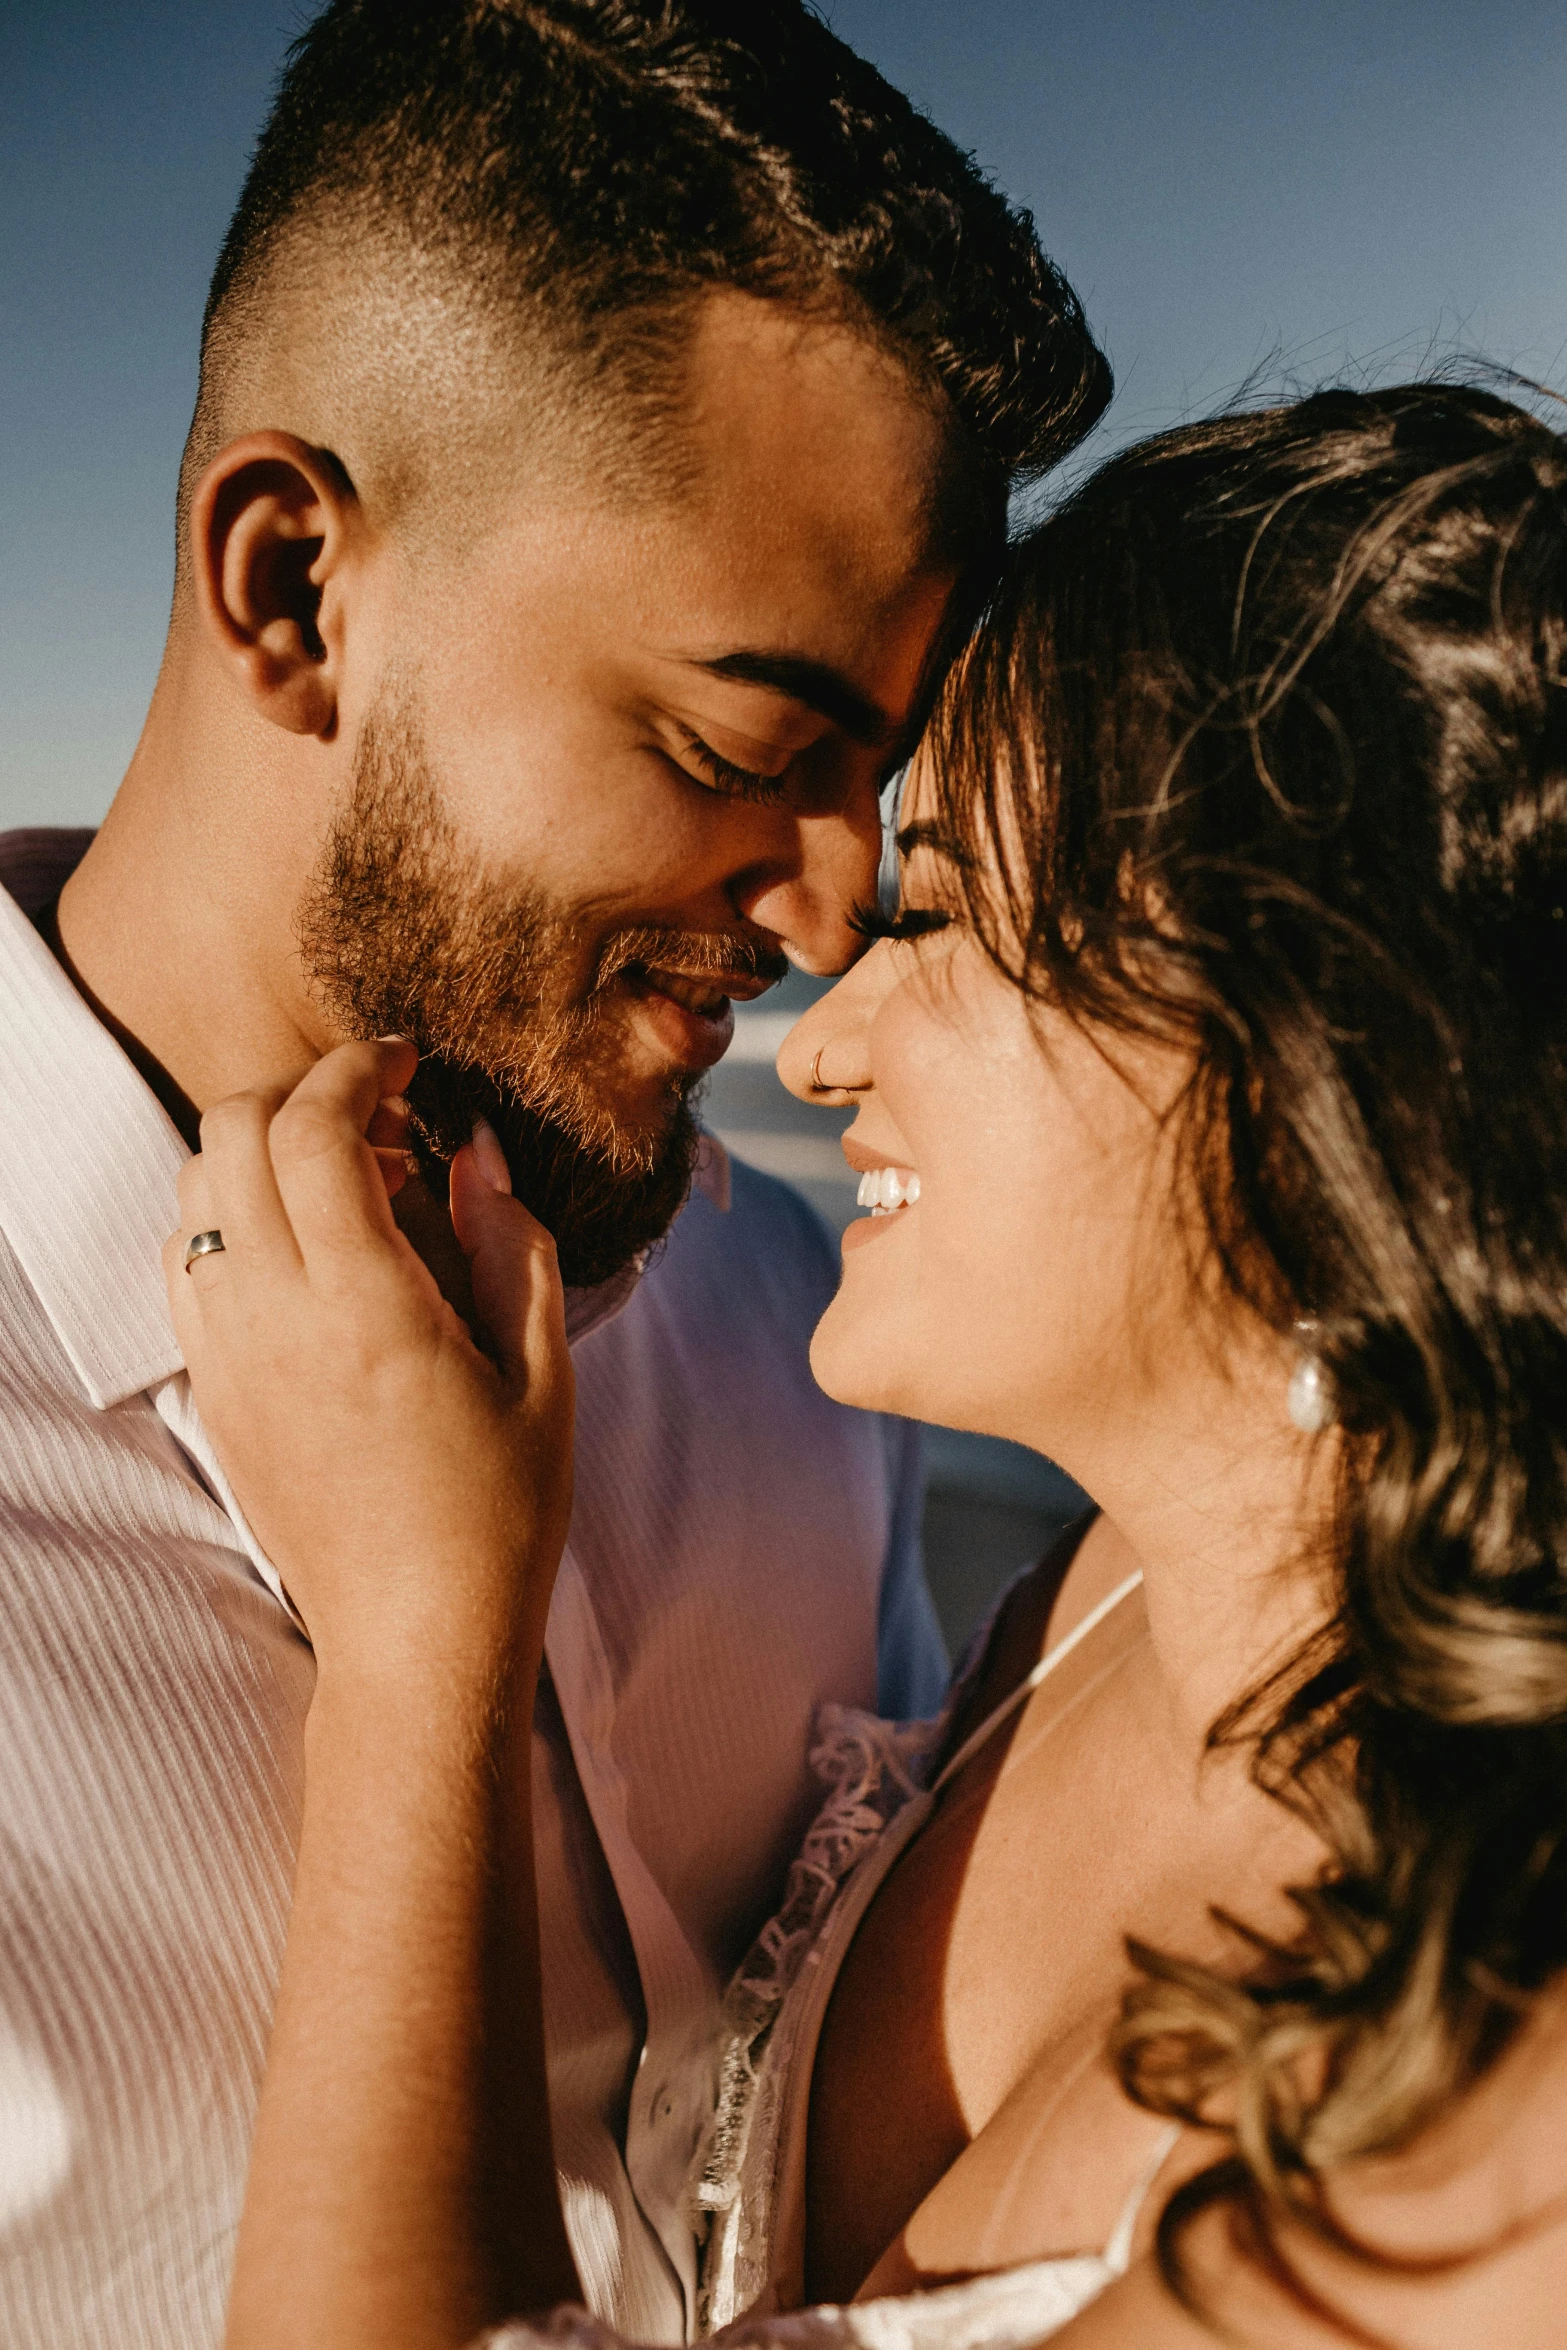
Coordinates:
(897, 1338)
(858, 1361)
(864, 1357)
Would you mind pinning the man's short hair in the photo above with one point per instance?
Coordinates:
(588, 169)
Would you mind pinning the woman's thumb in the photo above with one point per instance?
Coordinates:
(511, 1258)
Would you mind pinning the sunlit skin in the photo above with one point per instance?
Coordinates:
(676, 714)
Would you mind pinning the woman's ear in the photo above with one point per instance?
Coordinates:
(272, 524)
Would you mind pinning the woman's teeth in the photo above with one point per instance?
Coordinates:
(883, 1190)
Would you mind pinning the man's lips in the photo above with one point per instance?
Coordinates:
(693, 1017)
(705, 992)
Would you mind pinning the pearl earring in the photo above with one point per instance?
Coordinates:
(1311, 1399)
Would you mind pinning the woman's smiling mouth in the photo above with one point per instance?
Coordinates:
(886, 1189)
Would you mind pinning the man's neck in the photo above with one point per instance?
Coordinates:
(181, 1109)
(176, 926)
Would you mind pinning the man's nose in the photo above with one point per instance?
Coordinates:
(806, 904)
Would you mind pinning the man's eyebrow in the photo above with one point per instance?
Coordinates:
(818, 686)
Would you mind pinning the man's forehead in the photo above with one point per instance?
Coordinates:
(821, 418)
(747, 357)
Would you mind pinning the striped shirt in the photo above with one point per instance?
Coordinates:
(737, 1547)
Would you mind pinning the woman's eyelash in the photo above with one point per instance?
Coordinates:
(912, 922)
(741, 783)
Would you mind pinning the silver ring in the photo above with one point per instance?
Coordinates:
(203, 1244)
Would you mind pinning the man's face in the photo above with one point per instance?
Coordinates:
(404, 933)
(619, 763)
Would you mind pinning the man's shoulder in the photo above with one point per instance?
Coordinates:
(37, 860)
(765, 1240)
(745, 1281)
(767, 1214)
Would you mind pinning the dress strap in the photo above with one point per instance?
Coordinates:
(1041, 1672)
(1118, 2252)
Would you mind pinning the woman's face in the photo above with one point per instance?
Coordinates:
(1038, 1286)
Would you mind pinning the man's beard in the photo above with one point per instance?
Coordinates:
(403, 933)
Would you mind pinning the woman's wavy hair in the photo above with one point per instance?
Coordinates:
(1273, 715)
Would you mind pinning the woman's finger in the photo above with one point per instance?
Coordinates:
(326, 1172)
(237, 1187)
(517, 1290)
(184, 1306)
(195, 1195)
(199, 1219)
(394, 1170)
(389, 1125)
(388, 1135)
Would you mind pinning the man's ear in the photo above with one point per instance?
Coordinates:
(271, 526)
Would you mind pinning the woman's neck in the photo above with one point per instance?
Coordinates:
(1223, 1504)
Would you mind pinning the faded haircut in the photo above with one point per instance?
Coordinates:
(562, 181)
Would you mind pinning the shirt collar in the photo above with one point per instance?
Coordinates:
(89, 1158)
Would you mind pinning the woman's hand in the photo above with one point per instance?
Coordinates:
(412, 1490)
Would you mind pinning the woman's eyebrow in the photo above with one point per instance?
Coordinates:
(927, 835)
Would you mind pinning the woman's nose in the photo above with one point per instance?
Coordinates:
(825, 1057)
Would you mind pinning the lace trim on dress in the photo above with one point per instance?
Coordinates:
(1007, 2309)
(872, 1769)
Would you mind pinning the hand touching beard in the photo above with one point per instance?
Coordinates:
(516, 1016)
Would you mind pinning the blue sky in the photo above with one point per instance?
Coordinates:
(1302, 186)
